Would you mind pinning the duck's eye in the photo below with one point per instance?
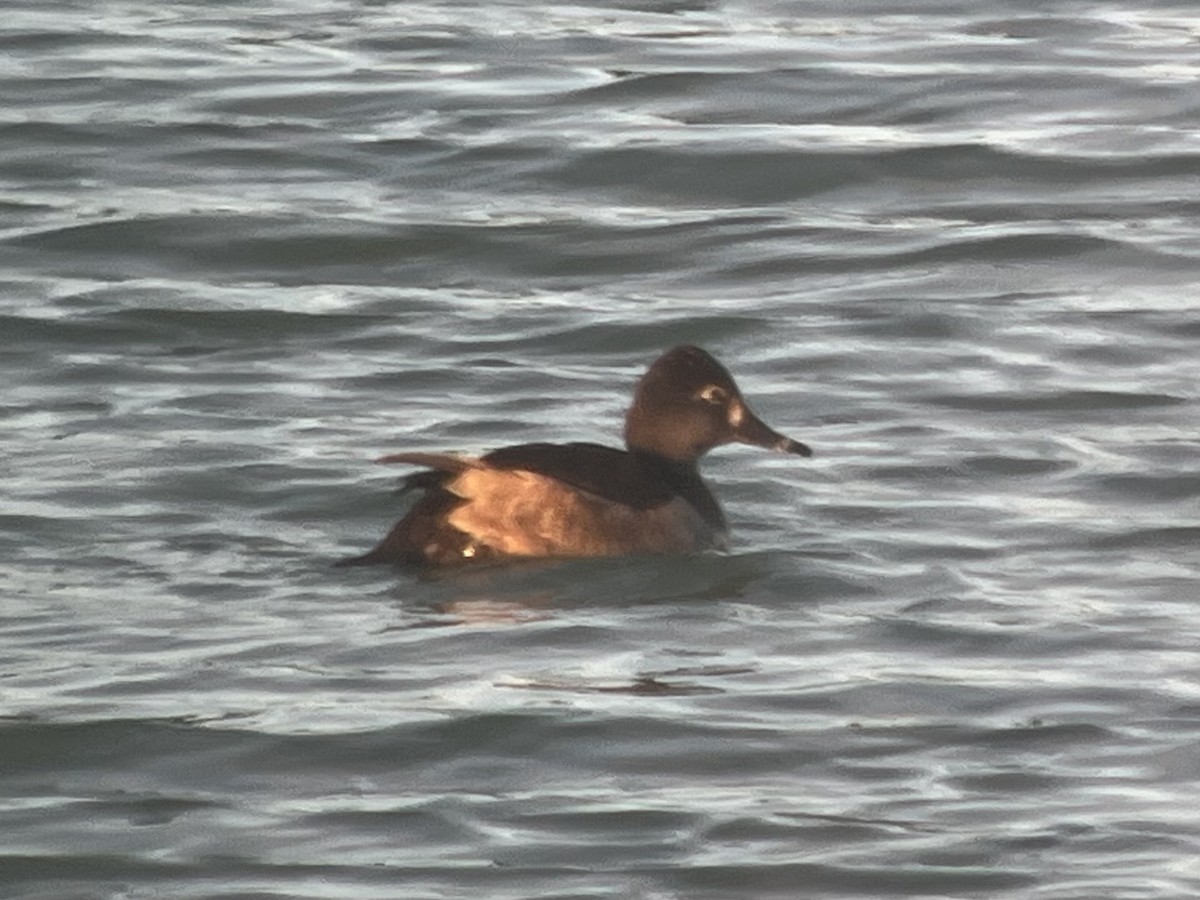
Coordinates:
(714, 394)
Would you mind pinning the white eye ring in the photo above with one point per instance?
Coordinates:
(714, 394)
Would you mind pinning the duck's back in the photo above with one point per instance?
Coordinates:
(536, 500)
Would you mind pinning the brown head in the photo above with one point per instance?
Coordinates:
(687, 403)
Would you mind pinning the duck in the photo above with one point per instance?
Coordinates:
(579, 499)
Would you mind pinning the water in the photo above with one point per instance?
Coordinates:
(952, 246)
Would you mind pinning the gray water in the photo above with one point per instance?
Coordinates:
(247, 248)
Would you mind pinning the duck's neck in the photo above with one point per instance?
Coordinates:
(671, 469)
(684, 478)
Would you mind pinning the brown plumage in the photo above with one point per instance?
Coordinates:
(546, 500)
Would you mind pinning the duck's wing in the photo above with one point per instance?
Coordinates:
(608, 473)
(614, 476)
(543, 500)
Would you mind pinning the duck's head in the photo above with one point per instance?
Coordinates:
(687, 403)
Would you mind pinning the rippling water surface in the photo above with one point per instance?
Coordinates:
(247, 248)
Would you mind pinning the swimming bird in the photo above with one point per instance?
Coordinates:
(583, 499)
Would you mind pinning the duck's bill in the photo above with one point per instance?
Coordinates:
(753, 430)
